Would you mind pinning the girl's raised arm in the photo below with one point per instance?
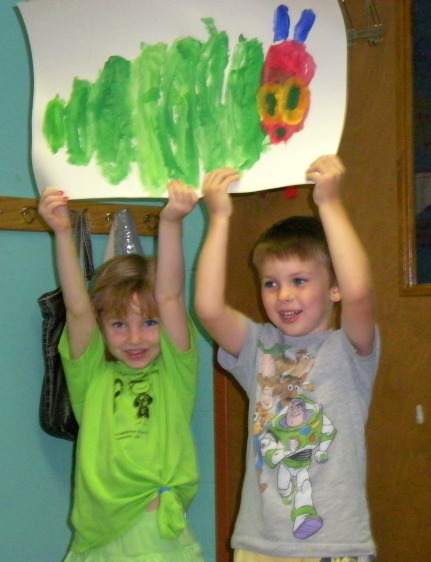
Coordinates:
(170, 263)
(80, 319)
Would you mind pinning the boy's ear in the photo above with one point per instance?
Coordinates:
(335, 294)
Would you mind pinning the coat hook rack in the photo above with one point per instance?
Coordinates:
(20, 213)
(373, 30)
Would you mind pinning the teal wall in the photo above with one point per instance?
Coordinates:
(35, 469)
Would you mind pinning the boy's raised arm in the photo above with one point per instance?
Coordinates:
(169, 288)
(226, 325)
(53, 207)
(349, 258)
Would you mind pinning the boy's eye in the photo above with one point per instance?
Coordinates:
(269, 284)
(298, 281)
(151, 322)
(117, 324)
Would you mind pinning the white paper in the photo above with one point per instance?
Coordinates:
(74, 38)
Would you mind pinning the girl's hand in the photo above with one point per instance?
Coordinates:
(182, 199)
(326, 172)
(214, 190)
(53, 208)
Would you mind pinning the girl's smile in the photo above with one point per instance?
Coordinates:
(136, 354)
(133, 339)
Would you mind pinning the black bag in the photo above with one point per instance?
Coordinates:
(55, 413)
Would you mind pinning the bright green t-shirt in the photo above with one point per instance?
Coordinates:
(134, 440)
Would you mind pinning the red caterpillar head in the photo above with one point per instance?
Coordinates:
(284, 96)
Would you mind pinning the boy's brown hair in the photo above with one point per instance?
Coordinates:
(118, 280)
(299, 236)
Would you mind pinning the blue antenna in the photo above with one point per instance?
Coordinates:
(305, 23)
(281, 23)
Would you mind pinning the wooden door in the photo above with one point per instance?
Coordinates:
(399, 449)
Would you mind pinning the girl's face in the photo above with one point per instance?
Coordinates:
(134, 338)
(297, 295)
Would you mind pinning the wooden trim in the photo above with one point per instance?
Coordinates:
(230, 413)
(20, 213)
(405, 148)
(405, 176)
(223, 523)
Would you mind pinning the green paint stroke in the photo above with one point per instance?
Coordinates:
(211, 112)
(53, 124)
(246, 145)
(111, 120)
(145, 91)
(171, 112)
(76, 120)
(177, 110)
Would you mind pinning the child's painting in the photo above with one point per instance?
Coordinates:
(131, 93)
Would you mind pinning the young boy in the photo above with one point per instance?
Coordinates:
(309, 386)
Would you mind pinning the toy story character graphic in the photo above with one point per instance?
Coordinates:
(290, 430)
(300, 430)
(265, 411)
(292, 374)
(279, 379)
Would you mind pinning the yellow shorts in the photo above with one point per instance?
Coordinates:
(248, 556)
(142, 543)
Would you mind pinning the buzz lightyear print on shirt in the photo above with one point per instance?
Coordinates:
(290, 432)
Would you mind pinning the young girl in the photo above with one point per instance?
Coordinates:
(129, 354)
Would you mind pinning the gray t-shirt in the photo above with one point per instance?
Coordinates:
(304, 491)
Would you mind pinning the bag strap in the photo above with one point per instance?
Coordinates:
(81, 232)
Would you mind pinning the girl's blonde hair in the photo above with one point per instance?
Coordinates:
(121, 279)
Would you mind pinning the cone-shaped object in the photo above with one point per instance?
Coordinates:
(123, 237)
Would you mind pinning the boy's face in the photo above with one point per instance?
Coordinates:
(133, 338)
(297, 295)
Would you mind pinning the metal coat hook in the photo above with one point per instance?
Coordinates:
(373, 30)
(28, 214)
(151, 222)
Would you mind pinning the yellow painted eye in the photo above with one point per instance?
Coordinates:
(295, 100)
(283, 104)
(269, 103)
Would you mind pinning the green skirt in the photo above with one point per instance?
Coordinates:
(142, 543)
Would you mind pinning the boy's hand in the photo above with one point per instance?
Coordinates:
(214, 190)
(53, 208)
(326, 172)
(182, 199)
